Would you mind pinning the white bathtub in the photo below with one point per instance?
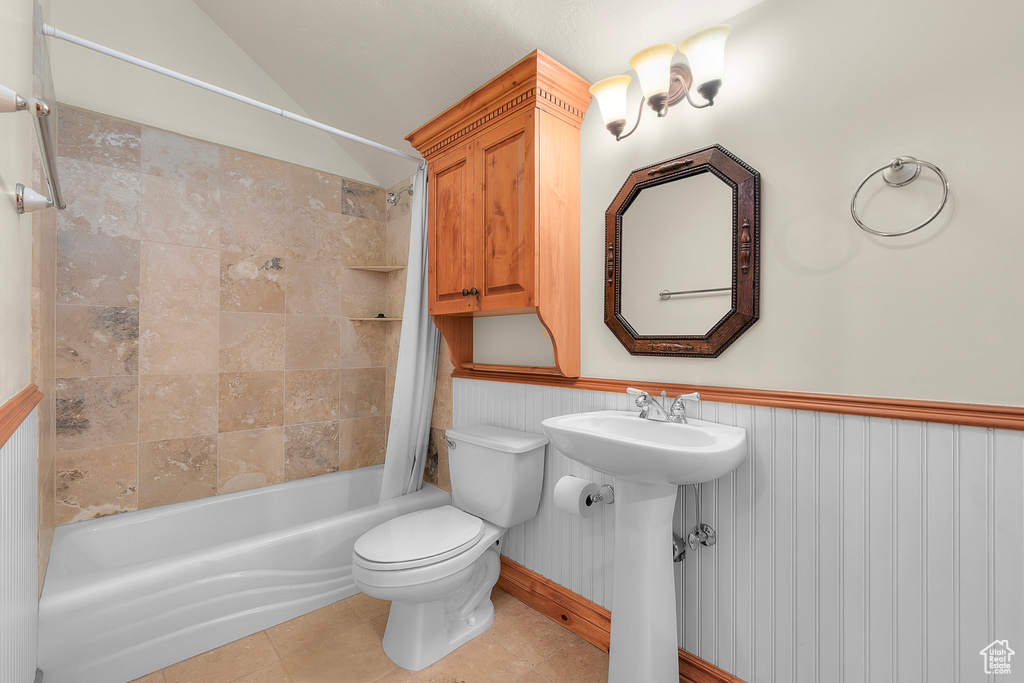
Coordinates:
(132, 593)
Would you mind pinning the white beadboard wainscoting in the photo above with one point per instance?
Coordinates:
(18, 573)
(849, 548)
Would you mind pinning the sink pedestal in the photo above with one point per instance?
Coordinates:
(643, 639)
(648, 460)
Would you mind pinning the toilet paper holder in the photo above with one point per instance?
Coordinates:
(605, 494)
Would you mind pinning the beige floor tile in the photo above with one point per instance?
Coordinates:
(366, 607)
(399, 676)
(155, 677)
(534, 677)
(275, 673)
(311, 629)
(528, 634)
(502, 601)
(481, 660)
(379, 625)
(225, 664)
(577, 661)
(354, 656)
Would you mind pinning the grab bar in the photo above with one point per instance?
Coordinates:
(48, 146)
(27, 198)
(665, 294)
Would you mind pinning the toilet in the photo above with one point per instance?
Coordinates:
(438, 566)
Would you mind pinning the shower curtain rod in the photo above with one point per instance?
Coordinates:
(102, 49)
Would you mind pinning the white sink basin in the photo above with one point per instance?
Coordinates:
(622, 444)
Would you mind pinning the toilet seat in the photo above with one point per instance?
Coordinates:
(417, 539)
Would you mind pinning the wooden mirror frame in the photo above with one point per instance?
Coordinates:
(746, 237)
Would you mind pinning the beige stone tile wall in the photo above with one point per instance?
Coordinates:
(43, 368)
(199, 301)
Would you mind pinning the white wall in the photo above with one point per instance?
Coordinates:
(16, 143)
(178, 35)
(818, 94)
(849, 548)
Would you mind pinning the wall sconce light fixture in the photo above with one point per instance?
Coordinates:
(664, 83)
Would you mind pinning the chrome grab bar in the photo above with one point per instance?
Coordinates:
(48, 146)
(664, 294)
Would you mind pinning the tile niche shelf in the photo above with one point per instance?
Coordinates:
(378, 269)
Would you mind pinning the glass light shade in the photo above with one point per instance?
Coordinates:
(652, 68)
(611, 97)
(705, 51)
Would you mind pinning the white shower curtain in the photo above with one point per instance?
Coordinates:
(409, 432)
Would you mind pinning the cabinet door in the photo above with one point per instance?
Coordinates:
(505, 272)
(451, 239)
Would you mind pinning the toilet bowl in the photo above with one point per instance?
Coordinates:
(440, 599)
(438, 566)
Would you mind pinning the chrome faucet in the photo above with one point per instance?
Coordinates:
(647, 403)
(677, 413)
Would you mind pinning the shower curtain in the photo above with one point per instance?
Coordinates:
(409, 431)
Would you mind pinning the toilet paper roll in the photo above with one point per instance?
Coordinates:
(572, 495)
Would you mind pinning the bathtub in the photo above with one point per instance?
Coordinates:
(130, 594)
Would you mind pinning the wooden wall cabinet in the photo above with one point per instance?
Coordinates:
(503, 184)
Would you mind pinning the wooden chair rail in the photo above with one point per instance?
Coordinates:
(14, 412)
(967, 414)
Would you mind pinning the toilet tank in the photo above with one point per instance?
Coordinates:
(496, 473)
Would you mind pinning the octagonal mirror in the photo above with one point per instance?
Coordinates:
(682, 255)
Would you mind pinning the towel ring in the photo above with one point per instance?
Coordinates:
(901, 171)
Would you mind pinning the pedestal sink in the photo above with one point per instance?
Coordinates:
(649, 461)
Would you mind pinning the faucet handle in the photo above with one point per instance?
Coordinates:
(643, 401)
(694, 396)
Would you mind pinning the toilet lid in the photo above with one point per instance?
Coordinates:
(421, 537)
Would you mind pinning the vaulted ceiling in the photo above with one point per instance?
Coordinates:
(380, 68)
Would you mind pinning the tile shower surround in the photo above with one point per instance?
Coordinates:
(202, 340)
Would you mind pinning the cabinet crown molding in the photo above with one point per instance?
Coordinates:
(537, 81)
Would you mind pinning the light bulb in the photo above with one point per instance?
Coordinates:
(611, 97)
(652, 68)
(705, 52)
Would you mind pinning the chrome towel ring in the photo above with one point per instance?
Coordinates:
(901, 171)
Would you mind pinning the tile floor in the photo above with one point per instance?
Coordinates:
(341, 643)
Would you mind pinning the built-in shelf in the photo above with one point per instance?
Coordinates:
(378, 269)
(524, 369)
(383, 320)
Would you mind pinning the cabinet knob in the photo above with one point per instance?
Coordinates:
(465, 292)
(470, 292)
